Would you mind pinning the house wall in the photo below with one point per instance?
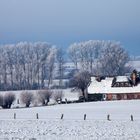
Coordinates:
(95, 97)
(108, 96)
(122, 96)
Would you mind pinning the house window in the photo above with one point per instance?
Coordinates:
(125, 96)
(126, 84)
(135, 96)
(114, 97)
(122, 84)
(117, 84)
(104, 97)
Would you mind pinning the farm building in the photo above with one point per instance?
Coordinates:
(114, 88)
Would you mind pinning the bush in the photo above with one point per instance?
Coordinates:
(26, 98)
(57, 96)
(6, 100)
(44, 96)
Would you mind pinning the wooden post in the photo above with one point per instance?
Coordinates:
(85, 116)
(62, 116)
(14, 115)
(66, 100)
(132, 119)
(37, 117)
(108, 117)
(17, 101)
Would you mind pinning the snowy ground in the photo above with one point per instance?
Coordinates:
(70, 129)
(49, 126)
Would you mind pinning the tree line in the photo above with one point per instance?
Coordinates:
(26, 65)
(101, 58)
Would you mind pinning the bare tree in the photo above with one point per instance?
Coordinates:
(85, 53)
(57, 96)
(26, 97)
(60, 62)
(44, 96)
(10, 62)
(51, 67)
(7, 100)
(82, 80)
(73, 54)
(24, 65)
(4, 68)
(45, 48)
(41, 96)
(113, 59)
(27, 65)
(100, 57)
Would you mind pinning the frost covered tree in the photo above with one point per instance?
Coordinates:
(113, 59)
(51, 65)
(10, 63)
(44, 96)
(7, 99)
(100, 57)
(85, 54)
(4, 67)
(60, 65)
(27, 65)
(58, 95)
(42, 53)
(81, 80)
(73, 54)
(24, 65)
(26, 98)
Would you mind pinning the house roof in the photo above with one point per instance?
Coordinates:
(121, 79)
(105, 87)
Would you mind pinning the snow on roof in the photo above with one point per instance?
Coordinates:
(121, 79)
(105, 87)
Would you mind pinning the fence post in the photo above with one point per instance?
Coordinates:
(17, 101)
(108, 117)
(37, 117)
(132, 119)
(85, 116)
(66, 100)
(14, 115)
(62, 116)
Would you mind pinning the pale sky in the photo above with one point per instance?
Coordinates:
(62, 22)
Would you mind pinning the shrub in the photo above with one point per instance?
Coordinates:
(44, 96)
(26, 98)
(57, 96)
(7, 99)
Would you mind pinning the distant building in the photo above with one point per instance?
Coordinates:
(115, 88)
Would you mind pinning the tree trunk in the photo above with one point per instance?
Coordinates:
(83, 93)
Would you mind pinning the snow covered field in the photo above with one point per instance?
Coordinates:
(49, 126)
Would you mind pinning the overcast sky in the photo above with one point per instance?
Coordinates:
(62, 22)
